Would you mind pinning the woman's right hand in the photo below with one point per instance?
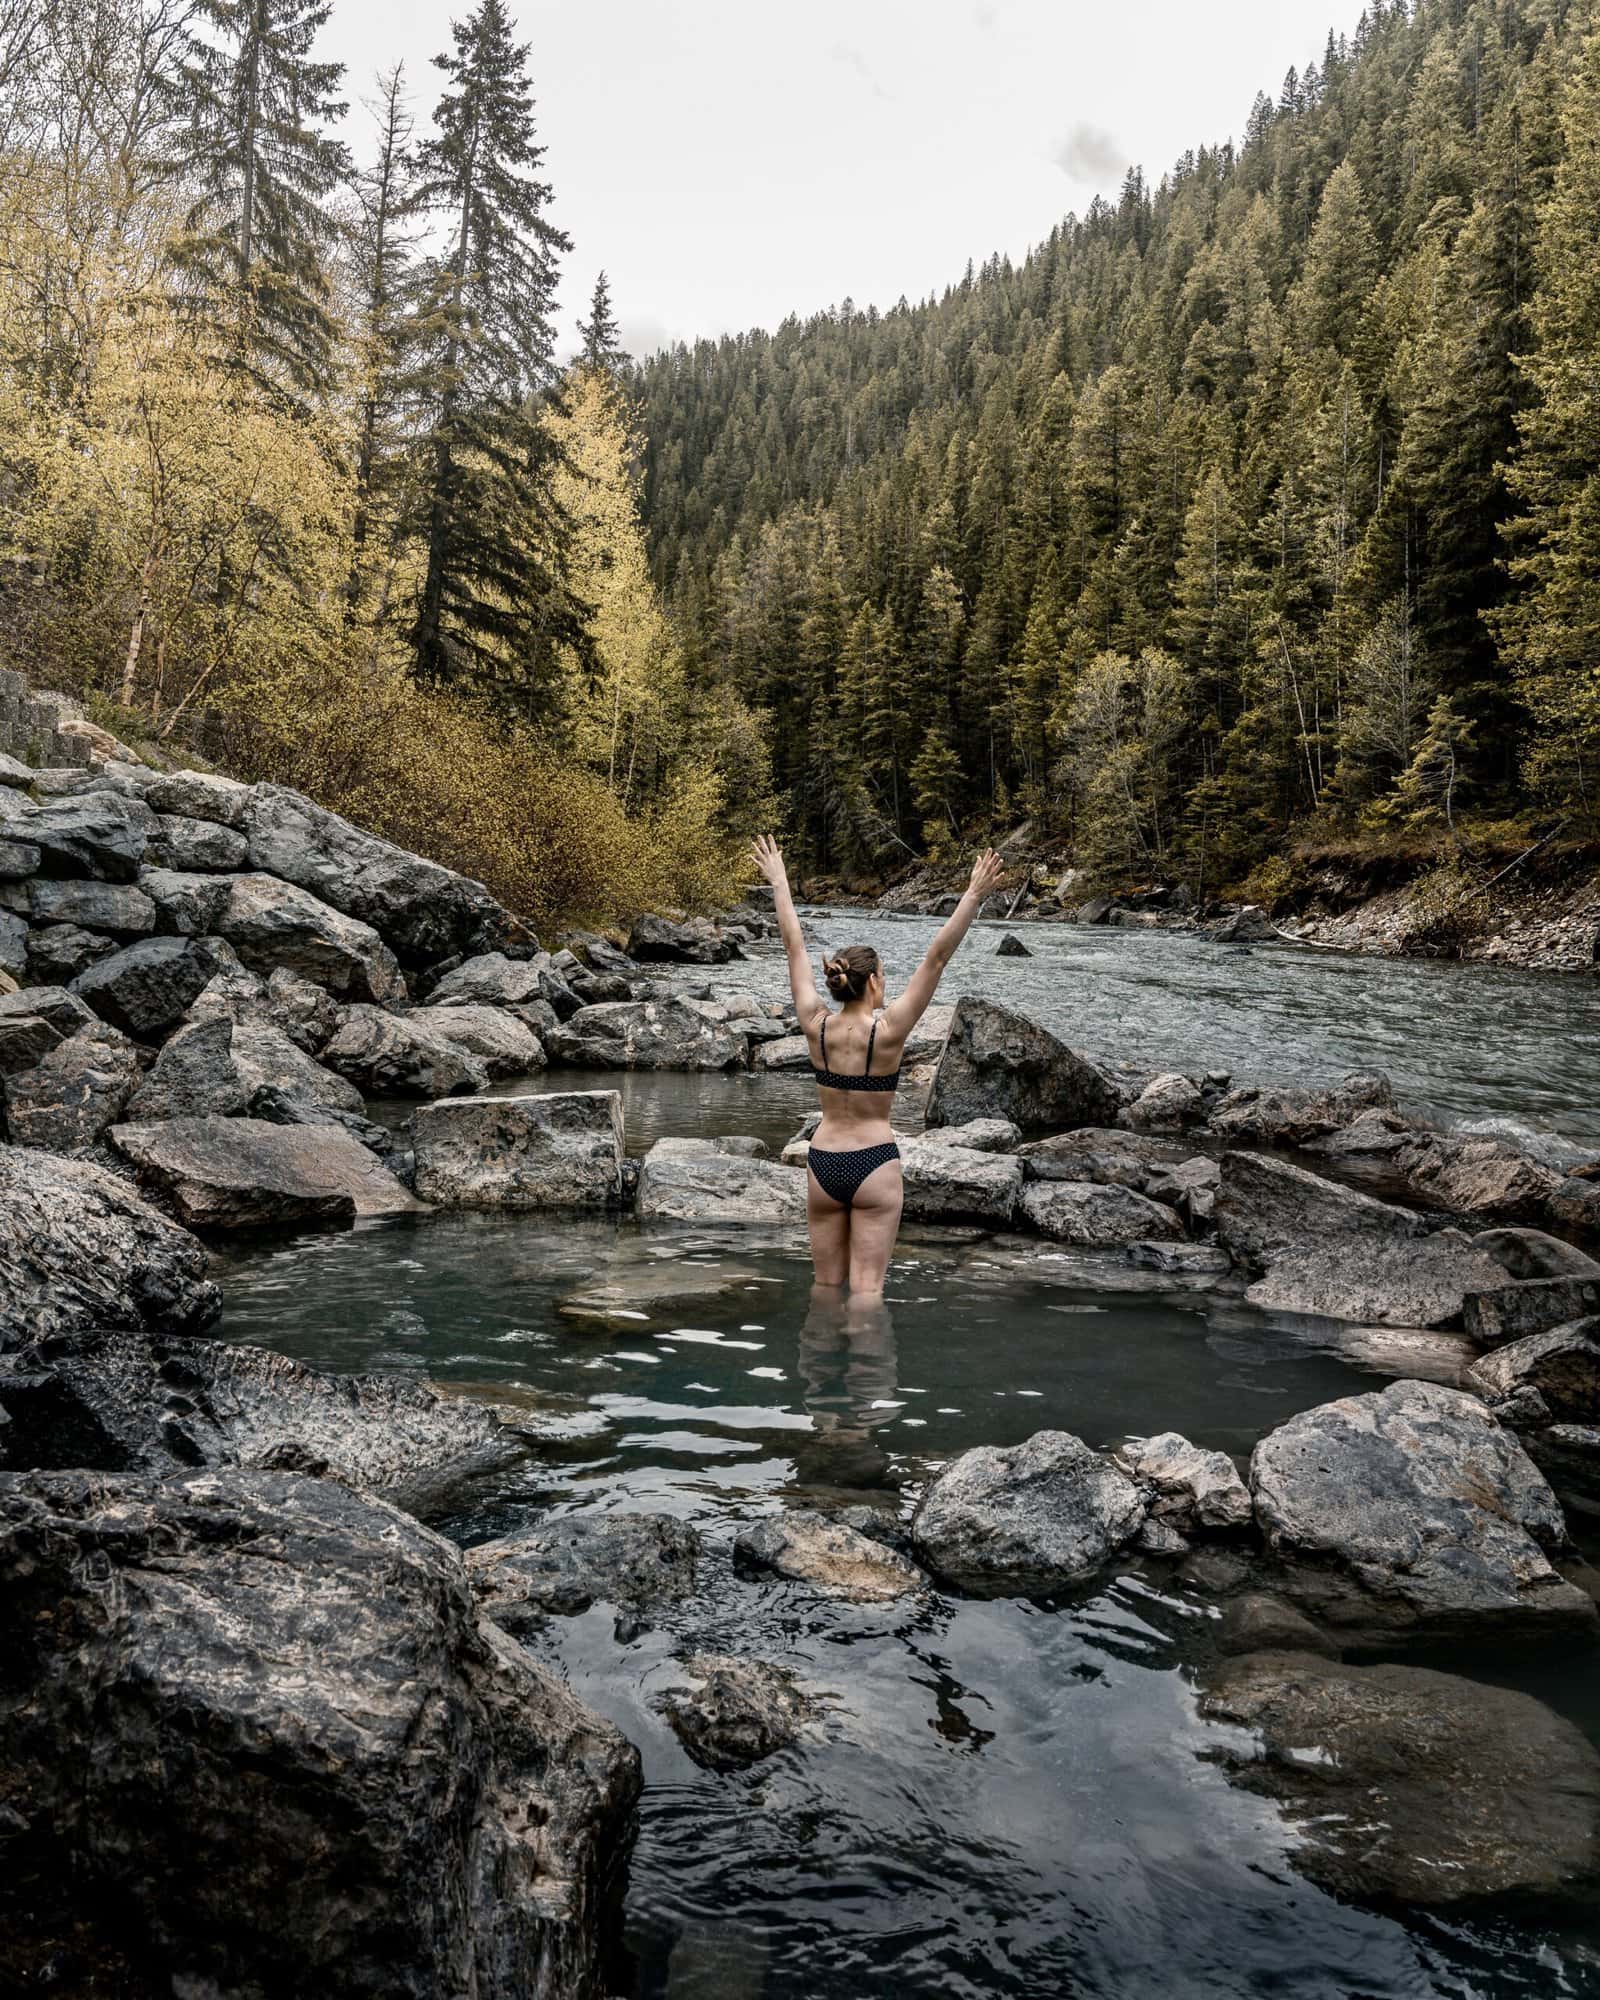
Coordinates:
(986, 873)
(768, 857)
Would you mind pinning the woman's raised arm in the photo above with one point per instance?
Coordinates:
(768, 857)
(907, 1009)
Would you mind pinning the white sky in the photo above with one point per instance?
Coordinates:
(729, 162)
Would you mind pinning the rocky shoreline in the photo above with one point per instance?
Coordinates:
(232, 1645)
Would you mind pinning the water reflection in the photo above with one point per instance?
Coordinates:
(849, 1387)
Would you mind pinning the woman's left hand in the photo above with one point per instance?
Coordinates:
(768, 857)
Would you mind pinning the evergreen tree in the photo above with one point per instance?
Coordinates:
(602, 338)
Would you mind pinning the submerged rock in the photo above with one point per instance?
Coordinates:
(997, 1064)
(718, 1187)
(634, 1290)
(633, 1561)
(741, 1712)
(246, 1173)
(840, 1561)
(1011, 946)
(1096, 1216)
(392, 1798)
(1031, 1517)
(561, 1150)
(1409, 1786)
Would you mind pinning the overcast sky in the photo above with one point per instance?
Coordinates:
(729, 162)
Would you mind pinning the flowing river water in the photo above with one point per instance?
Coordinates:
(1012, 1798)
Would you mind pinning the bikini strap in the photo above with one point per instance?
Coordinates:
(822, 1036)
(871, 1038)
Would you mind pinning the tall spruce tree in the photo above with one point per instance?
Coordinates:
(602, 347)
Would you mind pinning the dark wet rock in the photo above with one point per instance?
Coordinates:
(1183, 1260)
(204, 795)
(215, 1066)
(147, 987)
(1110, 1156)
(978, 1135)
(1269, 1115)
(1371, 1135)
(1530, 1253)
(79, 1249)
(186, 905)
(1528, 1305)
(658, 940)
(15, 938)
(806, 1547)
(997, 1064)
(1320, 1247)
(563, 1149)
(99, 834)
(718, 1187)
(636, 1562)
(62, 1010)
(1410, 1513)
(1249, 924)
(1260, 1622)
(395, 1055)
(950, 1183)
(1569, 1457)
(391, 1798)
(1011, 946)
(76, 1090)
(740, 1712)
(1160, 1538)
(648, 1034)
(244, 1173)
(304, 1011)
(272, 923)
(18, 860)
(57, 953)
(199, 846)
(1423, 1354)
(25, 1040)
(276, 1106)
(1031, 1517)
(113, 907)
(1168, 1103)
(1191, 1489)
(1562, 1365)
(422, 911)
(504, 1045)
(1096, 1216)
(1408, 1786)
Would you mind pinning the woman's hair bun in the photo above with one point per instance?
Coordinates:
(848, 971)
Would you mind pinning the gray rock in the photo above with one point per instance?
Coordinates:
(636, 1562)
(494, 980)
(503, 1044)
(1371, 1135)
(1416, 1516)
(1168, 1103)
(1323, 1248)
(719, 1187)
(1530, 1253)
(1528, 1305)
(1096, 1216)
(658, 940)
(949, 1183)
(839, 1561)
(99, 833)
(741, 1712)
(599, 954)
(629, 1291)
(198, 845)
(1011, 946)
(186, 905)
(25, 1039)
(200, 795)
(63, 1011)
(1259, 1622)
(1193, 1489)
(18, 860)
(302, 1010)
(422, 911)
(79, 1249)
(1183, 1260)
(215, 1067)
(243, 1173)
(1406, 1786)
(561, 1150)
(57, 953)
(1249, 924)
(1274, 1116)
(276, 1106)
(1482, 1178)
(784, 1052)
(272, 923)
(1569, 1457)
(147, 987)
(648, 1034)
(470, 1809)
(979, 1135)
(76, 1090)
(92, 906)
(997, 1064)
(396, 1055)
(1562, 1364)
(15, 939)
(1029, 1518)
(1112, 1157)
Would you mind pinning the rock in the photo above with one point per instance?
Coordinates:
(25, 1040)
(146, 987)
(1193, 1489)
(215, 1066)
(784, 1052)
(57, 953)
(1371, 1134)
(1160, 1538)
(15, 940)
(1423, 1354)
(275, 1106)
(720, 1187)
(186, 905)
(14, 772)
(1530, 1253)
(997, 1064)
(1112, 1157)
(494, 980)
(742, 1711)
(92, 906)
(79, 1249)
(1028, 1518)
(1528, 1305)
(1323, 1248)
(1480, 1177)
(599, 954)
(243, 1173)
(1249, 924)
(808, 1548)
(561, 1150)
(77, 1089)
(198, 845)
(1258, 1622)
(979, 1135)
(272, 923)
(1167, 1103)
(949, 1183)
(200, 795)
(153, 1404)
(1406, 1786)
(1562, 1364)
(1569, 1457)
(630, 1291)
(1011, 946)
(303, 1011)
(1419, 1517)
(636, 1562)
(1272, 1116)
(395, 1055)
(1096, 1216)
(392, 1798)
(18, 860)
(503, 1044)
(647, 1034)
(54, 1005)
(657, 940)
(422, 911)
(1183, 1260)
(98, 833)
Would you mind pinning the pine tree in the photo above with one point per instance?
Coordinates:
(258, 227)
(602, 338)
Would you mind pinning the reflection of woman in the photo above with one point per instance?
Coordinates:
(847, 1366)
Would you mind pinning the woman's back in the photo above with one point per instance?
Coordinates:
(855, 1056)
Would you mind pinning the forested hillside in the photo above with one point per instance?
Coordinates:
(1262, 498)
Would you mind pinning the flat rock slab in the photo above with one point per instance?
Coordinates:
(561, 1149)
(837, 1560)
(646, 1291)
(243, 1173)
(560, 1568)
(719, 1187)
(741, 1711)
(951, 1183)
(1409, 1786)
(1097, 1216)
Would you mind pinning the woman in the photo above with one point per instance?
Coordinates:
(853, 1191)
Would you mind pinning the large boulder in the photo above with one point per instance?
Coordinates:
(561, 1150)
(1274, 1115)
(717, 1187)
(946, 1183)
(112, 907)
(98, 833)
(1561, 1365)
(422, 911)
(198, 845)
(186, 904)
(246, 1173)
(196, 795)
(147, 987)
(658, 940)
(79, 1249)
(156, 1404)
(647, 1034)
(75, 1091)
(1029, 1518)
(1320, 1247)
(272, 923)
(1410, 1513)
(1406, 1786)
(1096, 1215)
(997, 1064)
(504, 1045)
(255, 1733)
(396, 1055)
(494, 980)
(215, 1066)
(636, 1562)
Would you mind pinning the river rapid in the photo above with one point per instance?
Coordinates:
(1012, 1798)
